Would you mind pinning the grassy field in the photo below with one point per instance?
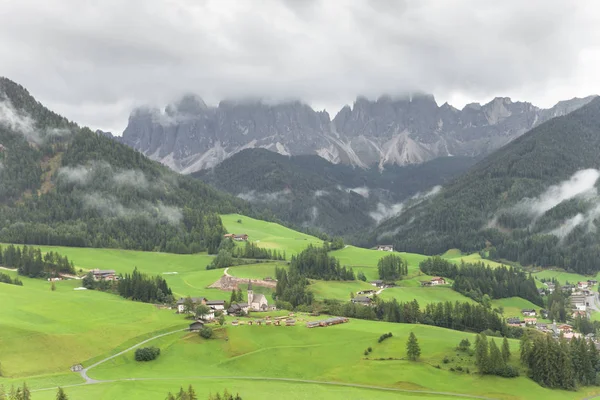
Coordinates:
(513, 306)
(333, 354)
(256, 271)
(268, 234)
(563, 276)
(44, 332)
(337, 290)
(423, 295)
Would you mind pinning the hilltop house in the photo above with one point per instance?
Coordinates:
(104, 274)
(385, 247)
(196, 301)
(528, 312)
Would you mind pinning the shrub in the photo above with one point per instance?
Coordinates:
(464, 345)
(384, 336)
(206, 332)
(147, 353)
(370, 349)
(445, 360)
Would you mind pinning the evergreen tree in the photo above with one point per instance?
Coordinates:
(482, 358)
(61, 395)
(412, 347)
(505, 350)
(191, 393)
(26, 392)
(2, 393)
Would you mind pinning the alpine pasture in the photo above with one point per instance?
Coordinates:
(44, 332)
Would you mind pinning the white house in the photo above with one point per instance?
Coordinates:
(385, 247)
(582, 285)
(528, 312)
(438, 281)
(195, 300)
(217, 305)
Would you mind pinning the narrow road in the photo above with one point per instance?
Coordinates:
(226, 272)
(84, 372)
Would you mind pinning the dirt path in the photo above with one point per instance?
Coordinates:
(226, 272)
(8, 269)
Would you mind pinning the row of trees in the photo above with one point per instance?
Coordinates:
(135, 286)
(461, 316)
(23, 393)
(492, 360)
(30, 262)
(5, 278)
(190, 394)
(251, 250)
(559, 363)
(476, 280)
(392, 267)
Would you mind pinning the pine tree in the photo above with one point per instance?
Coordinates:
(26, 393)
(2, 391)
(505, 350)
(412, 347)
(61, 395)
(191, 393)
(496, 364)
(482, 358)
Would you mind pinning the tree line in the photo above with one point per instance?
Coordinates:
(491, 360)
(135, 286)
(316, 263)
(476, 280)
(30, 262)
(560, 364)
(392, 268)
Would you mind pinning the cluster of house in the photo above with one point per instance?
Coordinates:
(382, 284)
(104, 274)
(556, 330)
(583, 285)
(213, 305)
(436, 280)
(237, 237)
(362, 300)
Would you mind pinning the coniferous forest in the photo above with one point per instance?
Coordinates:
(476, 280)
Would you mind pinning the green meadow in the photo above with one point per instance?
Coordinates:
(269, 234)
(563, 276)
(513, 306)
(423, 295)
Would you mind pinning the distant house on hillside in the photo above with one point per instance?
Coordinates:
(378, 283)
(217, 305)
(228, 236)
(528, 312)
(385, 247)
(592, 282)
(104, 274)
(240, 238)
(365, 301)
(437, 281)
(238, 309)
(513, 321)
(530, 321)
(583, 285)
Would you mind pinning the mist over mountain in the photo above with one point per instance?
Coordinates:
(533, 201)
(61, 184)
(335, 198)
(189, 136)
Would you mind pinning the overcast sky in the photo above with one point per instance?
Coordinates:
(93, 61)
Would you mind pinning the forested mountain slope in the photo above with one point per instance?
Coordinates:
(336, 198)
(65, 185)
(534, 201)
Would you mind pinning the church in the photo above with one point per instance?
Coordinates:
(256, 302)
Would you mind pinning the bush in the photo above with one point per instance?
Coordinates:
(445, 360)
(206, 332)
(464, 345)
(147, 353)
(384, 336)
(508, 372)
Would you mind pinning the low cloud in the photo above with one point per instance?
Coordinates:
(77, 175)
(110, 207)
(384, 212)
(131, 177)
(586, 220)
(273, 197)
(321, 193)
(581, 184)
(363, 191)
(83, 175)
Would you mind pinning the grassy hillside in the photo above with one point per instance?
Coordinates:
(43, 332)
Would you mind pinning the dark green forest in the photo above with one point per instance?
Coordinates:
(310, 191)
(478, 210)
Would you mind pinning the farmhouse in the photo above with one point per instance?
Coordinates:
(378, 283)
(196, 301)
(217, 305)
(385, 247)
(240, 238)
(365, 301)
(196, 326)
(530, 321)
(438, 281)
(238, 309)
(528, 312)
(367, 292)
(228, 236)
(592, 282)
(513, 321)
(583, 285)
(104, 274)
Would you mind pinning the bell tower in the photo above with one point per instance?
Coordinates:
(250, 293)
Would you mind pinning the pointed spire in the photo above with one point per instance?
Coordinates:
(249, 284)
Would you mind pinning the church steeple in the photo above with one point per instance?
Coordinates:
(250, 293)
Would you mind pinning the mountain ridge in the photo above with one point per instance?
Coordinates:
(188, 135)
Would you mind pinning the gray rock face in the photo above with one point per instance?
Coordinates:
(189, 136)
